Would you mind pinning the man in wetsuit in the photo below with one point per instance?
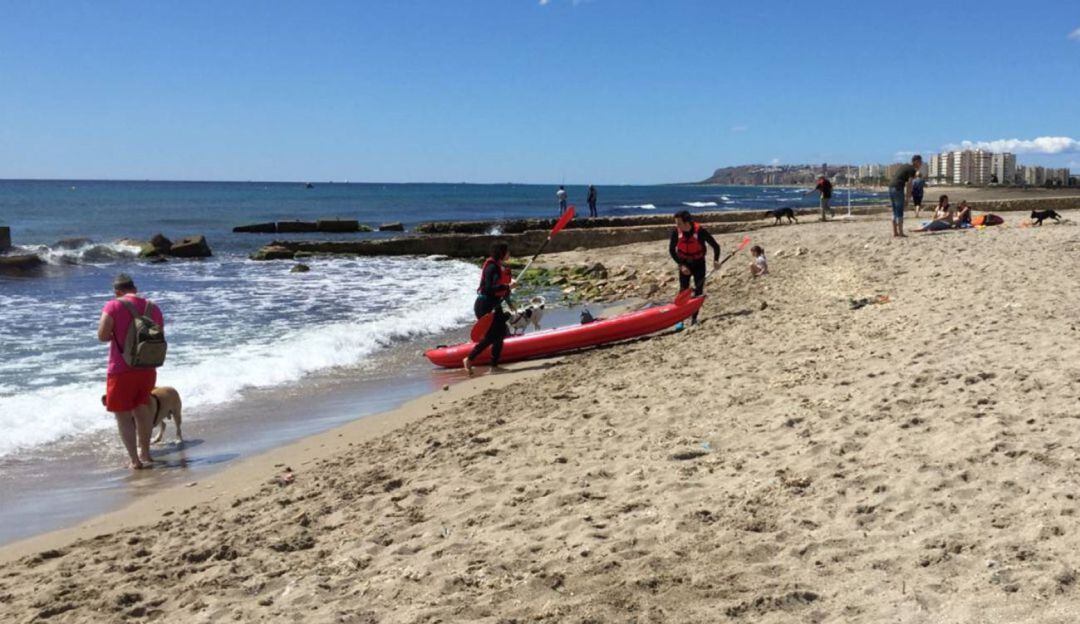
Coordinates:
(687, 249)
(496, 283)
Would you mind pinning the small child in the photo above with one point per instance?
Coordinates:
(759, 266)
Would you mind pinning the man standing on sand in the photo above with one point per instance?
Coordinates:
(900, 192)
(127, 393)
(592, 201)
(560, 195)
(824, 187)
(687, 249)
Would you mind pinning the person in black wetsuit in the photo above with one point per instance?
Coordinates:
(687, 249)
(496, 282)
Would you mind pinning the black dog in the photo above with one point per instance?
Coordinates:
(780, 213)
(1038, 215)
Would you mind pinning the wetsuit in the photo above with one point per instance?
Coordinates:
(688, 249)
(494, 289)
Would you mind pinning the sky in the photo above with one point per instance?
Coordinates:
(541, 91)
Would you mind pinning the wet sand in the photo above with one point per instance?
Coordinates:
(794, 458)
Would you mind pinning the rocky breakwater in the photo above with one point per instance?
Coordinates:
(16, 263)
(291, 227)
(477, 245)
(595, 282)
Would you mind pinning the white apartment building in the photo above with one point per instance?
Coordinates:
(1003, 167)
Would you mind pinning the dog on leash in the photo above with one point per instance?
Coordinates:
(1038, 216)
(165, 404)
(528, 315)
(780, 213)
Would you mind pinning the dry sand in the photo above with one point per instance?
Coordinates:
(789, 460)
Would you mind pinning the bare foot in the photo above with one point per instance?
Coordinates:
(468, 366)
(136, 465)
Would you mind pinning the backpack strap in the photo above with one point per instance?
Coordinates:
(131, 308)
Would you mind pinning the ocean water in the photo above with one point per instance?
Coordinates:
(236, 326)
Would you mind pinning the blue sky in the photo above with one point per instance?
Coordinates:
(602, 91)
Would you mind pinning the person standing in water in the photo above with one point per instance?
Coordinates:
(560, 196)
(127, 389)
(687, 249)
(496, 283)
(900, 192)
(591, 200)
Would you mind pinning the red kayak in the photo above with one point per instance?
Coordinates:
(561, 339)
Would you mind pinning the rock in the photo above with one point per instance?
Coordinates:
(5, 238)
(391, 227)
(557, 280)
(16, 264)
(569, 290)
(303, 254)
(273, 252)
(300, 268)
(597, 270)
(257, 228)
(652, 289)
(72, 243)
(191, 247)
(763, 305)
(158, 260)
(160, 243)
(297, 226)
(802, 251)
(338, 225)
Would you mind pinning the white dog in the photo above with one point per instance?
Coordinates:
(528, 315)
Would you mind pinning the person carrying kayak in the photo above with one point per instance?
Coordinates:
(687, 248)
(496, 283)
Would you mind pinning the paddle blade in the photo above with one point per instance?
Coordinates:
(483, 324)
(684, 297)
(743, 244)
(563, 220)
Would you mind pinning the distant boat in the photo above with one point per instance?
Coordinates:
(309, 185)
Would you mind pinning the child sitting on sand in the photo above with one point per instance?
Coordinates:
(759, 266)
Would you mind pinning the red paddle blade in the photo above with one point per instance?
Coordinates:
(743, 244)
(684, 297)
(483, 324)
(563, 220)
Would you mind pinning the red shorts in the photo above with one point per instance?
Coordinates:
(128, 390)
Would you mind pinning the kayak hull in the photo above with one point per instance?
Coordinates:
(554, 341)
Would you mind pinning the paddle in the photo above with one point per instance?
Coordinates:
(484, 322)
(686, 295)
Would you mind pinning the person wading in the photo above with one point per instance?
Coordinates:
(133, 358)
(687, 248)
(496, 283)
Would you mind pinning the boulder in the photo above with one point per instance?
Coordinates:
(338, 225)
(5, 238)
(191, 247)
(72, 243)
(300, 268)
(392, 227)
(20, 263)
(297, 226)
(257, 228)
(158, 260)
(273, 252)
(160, 243)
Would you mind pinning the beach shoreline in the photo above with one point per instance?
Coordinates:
(798, 456)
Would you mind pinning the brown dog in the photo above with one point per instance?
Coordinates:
(165, 403)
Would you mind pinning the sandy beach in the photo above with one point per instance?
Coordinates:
(794, 458)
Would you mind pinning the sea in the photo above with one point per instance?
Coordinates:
(260, 355)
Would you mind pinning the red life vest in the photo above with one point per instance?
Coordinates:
(502, 287)
(690, 247)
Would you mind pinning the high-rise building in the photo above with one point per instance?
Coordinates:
(941, 168)
(1034, 176)
(1003, 167)
(972, 167)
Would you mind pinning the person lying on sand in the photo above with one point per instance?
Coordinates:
(760, 266)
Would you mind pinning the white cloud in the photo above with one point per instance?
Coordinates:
(774, 161)
(739, 128)
(1075, 35)
(1040, 145)
(545, 2)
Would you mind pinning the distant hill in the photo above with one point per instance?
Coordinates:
(758, 175)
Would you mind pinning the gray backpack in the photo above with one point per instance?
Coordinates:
(144, 346)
